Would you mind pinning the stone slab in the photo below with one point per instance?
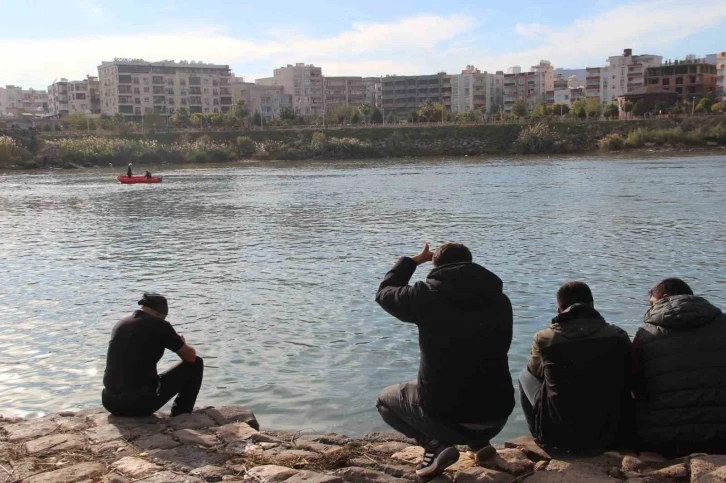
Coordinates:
(236, 433)
(16, 433)
(156, 441)
(530, 448)
(482, 475)
(389, 447)
(363, 475)
(136, 467)
(55, 442)
(210, 473)
(191, 436)
(312, 477)
(170, 477)
(511, 460)
(270, 473)
(72, 424)
(412, 455)
(188, 457)
(191, 421)
(232, 414)
(701, 466)
(69, 474)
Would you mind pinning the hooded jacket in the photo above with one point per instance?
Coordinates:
(465, 330)
(681, 356)
(584, 364)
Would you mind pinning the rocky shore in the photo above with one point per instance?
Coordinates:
(226, 444)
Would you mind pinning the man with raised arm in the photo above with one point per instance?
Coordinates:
(464, 392)
(132, 386)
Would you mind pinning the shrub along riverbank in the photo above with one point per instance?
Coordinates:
(35, 150)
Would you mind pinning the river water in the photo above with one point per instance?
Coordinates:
(271, 270)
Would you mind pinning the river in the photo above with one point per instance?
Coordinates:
(271, 269)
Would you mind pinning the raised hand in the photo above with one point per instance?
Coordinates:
(424, 256)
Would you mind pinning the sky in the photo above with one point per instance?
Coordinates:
(43, 40)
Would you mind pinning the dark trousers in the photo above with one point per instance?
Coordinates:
(400, 407)
(183, 381)
(529, 386)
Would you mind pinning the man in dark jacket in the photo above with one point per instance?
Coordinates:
(132, 386)
(680, 373)
(464, 392)
(575, 391)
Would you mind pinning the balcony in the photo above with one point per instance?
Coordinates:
(593, 77)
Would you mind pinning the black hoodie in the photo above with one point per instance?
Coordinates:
(465, 330)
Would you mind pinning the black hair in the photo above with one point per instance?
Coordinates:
(451, 253)
(670, 286)
(573, 293)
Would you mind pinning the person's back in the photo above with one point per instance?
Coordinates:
(680, 357)
(582, 367)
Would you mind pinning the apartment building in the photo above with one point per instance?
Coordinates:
(135, 87)
(15, 100)
(691, 78)
(343, 91)
(530, 87)
(622, 74)
(305, 83)
(67, 97)
(267, 100)
(476, 91)
(720, 73)
(403, 94)
(372, 87)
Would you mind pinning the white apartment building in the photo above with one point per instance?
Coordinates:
(15, 100)
(473, 90)
(267, 100)
(305, 83)
(135, 87)
(68, 97)
(531, 87)
(621, 75)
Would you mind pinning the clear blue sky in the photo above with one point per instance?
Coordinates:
(41, 40)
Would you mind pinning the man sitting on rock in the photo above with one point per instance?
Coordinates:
(132, 386)
(575, 391)
(464, 392)
(680, 373)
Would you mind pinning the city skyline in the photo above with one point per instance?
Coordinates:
(374, 38)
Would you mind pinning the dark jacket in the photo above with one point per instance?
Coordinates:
(681, 356)
(585, 365)
(465, 330)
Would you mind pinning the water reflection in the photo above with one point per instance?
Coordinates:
(271, 270)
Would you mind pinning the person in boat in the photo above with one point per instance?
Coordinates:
(464, 392)
(132, 386)
(129, 173)
(575, 390)
(148, 174)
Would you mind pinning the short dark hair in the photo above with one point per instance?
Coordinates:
(451, 253)
(670, 286)
(573, 293)
(155, 302)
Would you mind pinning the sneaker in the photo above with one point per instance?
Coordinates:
(437, 457)
(481, 453)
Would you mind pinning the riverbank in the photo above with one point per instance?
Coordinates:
(226, 444)
(31, 150)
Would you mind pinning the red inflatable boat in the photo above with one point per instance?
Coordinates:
(138, 179)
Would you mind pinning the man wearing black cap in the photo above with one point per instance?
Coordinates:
(132, 386)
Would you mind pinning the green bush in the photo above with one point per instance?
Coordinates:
(11, 152)
(611, 142)
(246, 147)
(318, 142)
(540, 139)
(658, 137)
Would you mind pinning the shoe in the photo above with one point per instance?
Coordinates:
(437, 457)
(481, 453)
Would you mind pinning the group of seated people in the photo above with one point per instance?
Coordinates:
(586, 388)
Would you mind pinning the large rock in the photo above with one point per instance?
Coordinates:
(388, 447)
(156, 441)
(385, 436)
(69, 474)
(362, 475)
(29, 430)
(210, 473)
(511, 460)
(136, 467)
(72, 424)
(482, 475)
(702, 468)
(191, 436)
(329, 438)
(270, 473)
(232, 414)
(237, 433)
(191, 421)
(188, 457)
(392, 469)
(412, 455)
(55, 442)
(530, 448)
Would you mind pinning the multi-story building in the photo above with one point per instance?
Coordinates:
(402, 94)
(15, 100)
(343, 91)
(135, 87)
(720, 73)
(67, 97)
(372, 88)
(473, 90)
(691, 78)
(305, 83)
(621, 75)
(267, 100)
(530, 87)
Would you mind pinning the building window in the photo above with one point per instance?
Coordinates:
(146, 89)
(679, 81)
(666, 82)
(693, 79)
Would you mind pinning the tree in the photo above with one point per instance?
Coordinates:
(611, 111)
(659, 107)
(390, 118)
(560, 109)
(196, 119)
(153, 121)
(519, 109)
(579, 108)
(287, 115)
(77, 121)
(356, 117)
(628, 106)
(376, 116)
(257, 118)
(340, 114)
(238, 114)
(717, 108)
(705, 105)
(593, 108)
(366, 110)
(106, 122)
(679, 108)
(180, 118)
(639, 108)
(466, 117)
(542, 111)
(119, 119)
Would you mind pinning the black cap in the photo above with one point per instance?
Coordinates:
(156, 302)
